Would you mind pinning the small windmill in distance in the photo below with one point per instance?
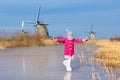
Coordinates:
(92, 34)
(22, 29)
(41, 29)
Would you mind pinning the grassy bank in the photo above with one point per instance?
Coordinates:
(109, 53)
(19, 40)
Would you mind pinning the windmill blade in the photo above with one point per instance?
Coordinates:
(92, 30)
(92, 27)
(29, 22)
(35, 25)
(38, 15)
(86, 32)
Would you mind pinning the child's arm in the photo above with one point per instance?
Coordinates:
(80, 40)
(59, 39)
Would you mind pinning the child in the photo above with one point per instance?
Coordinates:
(68, 49)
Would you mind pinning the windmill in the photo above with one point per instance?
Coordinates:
(92, 34)
(22, 26)
(22, 29)
(41, 29)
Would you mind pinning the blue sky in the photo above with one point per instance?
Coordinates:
(77, 15)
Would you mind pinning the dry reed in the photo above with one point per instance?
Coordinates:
(109, 54)
(19, 40)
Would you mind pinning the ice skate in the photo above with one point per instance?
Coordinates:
(69, 69)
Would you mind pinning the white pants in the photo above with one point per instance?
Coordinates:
(67, 61)
(67, 57)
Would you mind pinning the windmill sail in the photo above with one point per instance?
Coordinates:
(38, 15)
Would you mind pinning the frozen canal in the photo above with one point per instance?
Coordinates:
(41, 63)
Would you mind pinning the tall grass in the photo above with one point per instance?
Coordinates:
(109, 54)
(109, 57)
(24, 40)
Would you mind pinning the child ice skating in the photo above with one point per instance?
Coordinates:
(68, 49)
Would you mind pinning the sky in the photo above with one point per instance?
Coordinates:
(77, 15)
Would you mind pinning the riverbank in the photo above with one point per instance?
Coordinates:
(19, 40)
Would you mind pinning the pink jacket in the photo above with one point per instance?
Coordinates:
(69, 45)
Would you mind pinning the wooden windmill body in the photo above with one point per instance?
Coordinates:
(42, 31)
(92, 35)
